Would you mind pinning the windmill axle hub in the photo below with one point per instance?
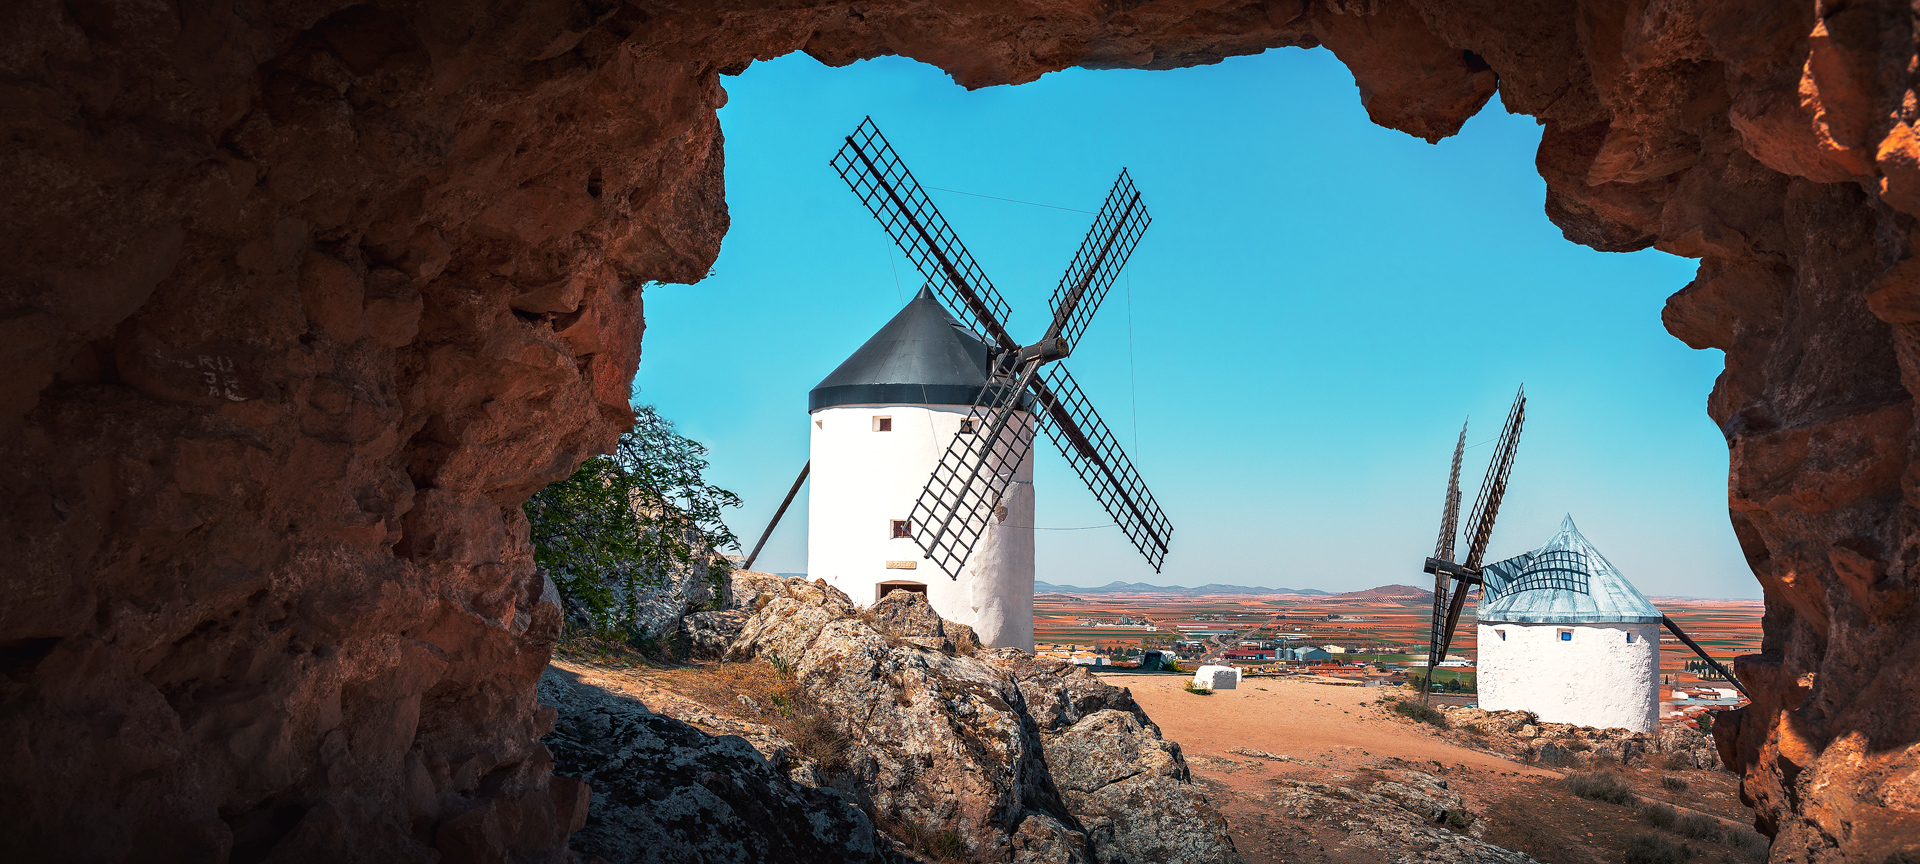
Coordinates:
(1457, 571)
(1044, 351)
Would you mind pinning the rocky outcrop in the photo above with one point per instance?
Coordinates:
(300, 301)
(1022, 760)
(1523, 737)
(709, 633)
(663, 791)
(660, 606)
(1404, 819)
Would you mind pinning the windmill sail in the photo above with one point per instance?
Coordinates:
(875, 173)
(1486, 505)
(1450, 516)
(1450, 583)
(964, 491)
(1069, 419)
(1098, 261)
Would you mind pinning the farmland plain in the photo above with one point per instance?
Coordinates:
(1388, 623)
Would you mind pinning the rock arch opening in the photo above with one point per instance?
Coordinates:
(301, 303)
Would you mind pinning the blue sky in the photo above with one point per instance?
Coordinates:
(1317, 306)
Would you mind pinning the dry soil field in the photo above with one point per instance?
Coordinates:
(1344, 738)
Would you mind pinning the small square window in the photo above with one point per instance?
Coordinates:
(1503, 635)
(883, 424)
(1566, 635)
(966, 426)
(1629, 638)
(901, 529)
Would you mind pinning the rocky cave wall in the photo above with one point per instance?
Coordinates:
(302, 299)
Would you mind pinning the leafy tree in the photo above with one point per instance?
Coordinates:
(621, 523)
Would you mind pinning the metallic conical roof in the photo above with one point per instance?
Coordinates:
(921, 357)
(1566, 581)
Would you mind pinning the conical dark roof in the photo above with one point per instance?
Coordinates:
(921, 357)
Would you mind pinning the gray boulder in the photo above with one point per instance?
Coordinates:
(664, 791)
(1023, 760)
(709, 633)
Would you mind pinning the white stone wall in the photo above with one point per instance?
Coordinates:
(1598, 679)
(862, 479)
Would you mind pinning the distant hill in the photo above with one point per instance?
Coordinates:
(1389, 592)
(1176, 590)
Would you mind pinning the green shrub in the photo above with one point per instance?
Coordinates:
(1199, 690)
(1699, 826)
(1655, 849)
(1423, 713)
(1673, 783)
(1459, 818)
(1660, 816)
(1601, 786)
(620, 523)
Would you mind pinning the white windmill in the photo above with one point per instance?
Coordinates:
(921, 455)
(881, 422)
(1561, 632)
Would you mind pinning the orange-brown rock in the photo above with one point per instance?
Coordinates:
(300, 300)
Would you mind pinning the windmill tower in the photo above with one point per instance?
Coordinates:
(881, 422)
(922, 447)
(1561, 632)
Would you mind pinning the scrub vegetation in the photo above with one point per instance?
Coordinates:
(621, 523)
(1650, 848)
(1423, 713)
(1601, 786)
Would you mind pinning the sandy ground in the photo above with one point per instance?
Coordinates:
(1327, 724)
(1344, 736)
